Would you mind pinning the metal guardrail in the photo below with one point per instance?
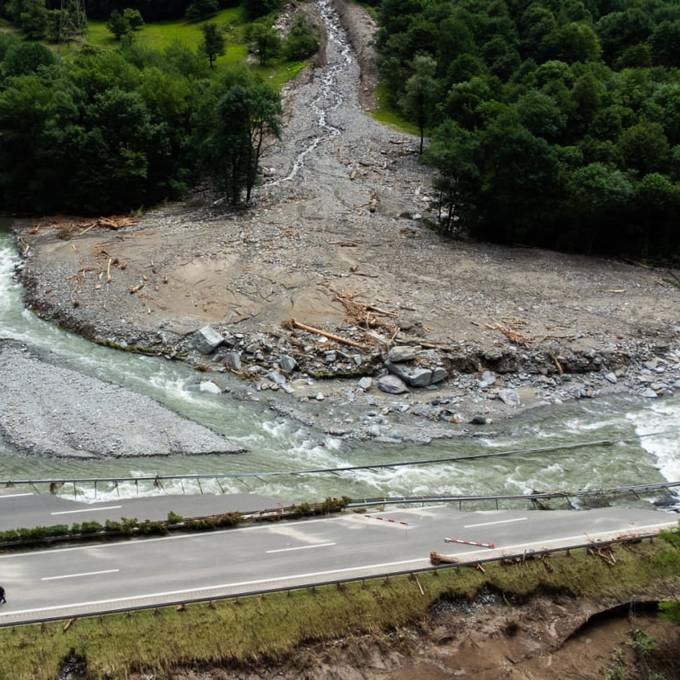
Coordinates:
(634, 490)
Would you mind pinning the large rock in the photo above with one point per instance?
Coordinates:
(509, 397)
(415, 376)
(233, 360)
(287, 364)
(206, 340)
(210, 387)
(365, 383)
(487, 380)
(276, 378)
(391, 384)
(439, 374)
(402, 353)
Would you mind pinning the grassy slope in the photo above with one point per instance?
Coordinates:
(385, 114)
(259, 627)
(160, 35)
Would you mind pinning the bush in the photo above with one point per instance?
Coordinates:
(302, 41)
(134, 18)
(200, 9)
(327, 507)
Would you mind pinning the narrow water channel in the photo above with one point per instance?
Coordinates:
(274, 443)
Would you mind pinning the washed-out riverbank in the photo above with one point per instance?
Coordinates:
(275, 442)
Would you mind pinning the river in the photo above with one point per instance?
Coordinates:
(275, 443)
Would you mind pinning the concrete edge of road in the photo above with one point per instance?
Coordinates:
(469, 559)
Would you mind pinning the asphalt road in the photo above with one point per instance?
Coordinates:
(20, 508)
(98, 578)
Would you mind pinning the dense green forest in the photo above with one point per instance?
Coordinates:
(553, 122)
(155, 10)
(115, 130)
(88, 129)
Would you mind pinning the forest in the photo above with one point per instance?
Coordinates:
(91, 129)
(116, 130)
(553, 122)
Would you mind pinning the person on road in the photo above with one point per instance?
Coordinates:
(2, 596)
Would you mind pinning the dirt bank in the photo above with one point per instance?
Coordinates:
(339, 240)
(489, 639)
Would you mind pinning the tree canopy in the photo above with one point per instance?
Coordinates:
(113, 130)
(554, 123)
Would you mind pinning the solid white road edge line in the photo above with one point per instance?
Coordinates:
(14, 495)
(500, 521)
(73, 512)
(300, 547)
(202, 589)
(86, 573)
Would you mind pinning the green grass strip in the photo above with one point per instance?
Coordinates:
(257, 628)
(385, 114)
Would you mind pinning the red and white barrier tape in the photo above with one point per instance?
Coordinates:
(464, 542)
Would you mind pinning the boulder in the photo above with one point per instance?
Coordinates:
(509, 397)
(487, 380)
(611, 377)
(210, 387)
(287, 364)
(415, 376)
(479, 420)
(402, 353)
(391, 384)
(206, 340)
(649, 393)
(439, 374)
(365, 384)
(233, 360)
(276, 378)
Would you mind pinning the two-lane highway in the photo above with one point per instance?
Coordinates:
(98, 578)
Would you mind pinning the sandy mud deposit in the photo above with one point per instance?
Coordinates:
(340, 240)
(54, 411)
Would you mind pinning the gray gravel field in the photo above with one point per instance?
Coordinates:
(50, 410)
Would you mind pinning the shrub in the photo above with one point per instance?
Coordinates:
(302, 41)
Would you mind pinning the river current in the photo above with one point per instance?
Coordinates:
(275, 443)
